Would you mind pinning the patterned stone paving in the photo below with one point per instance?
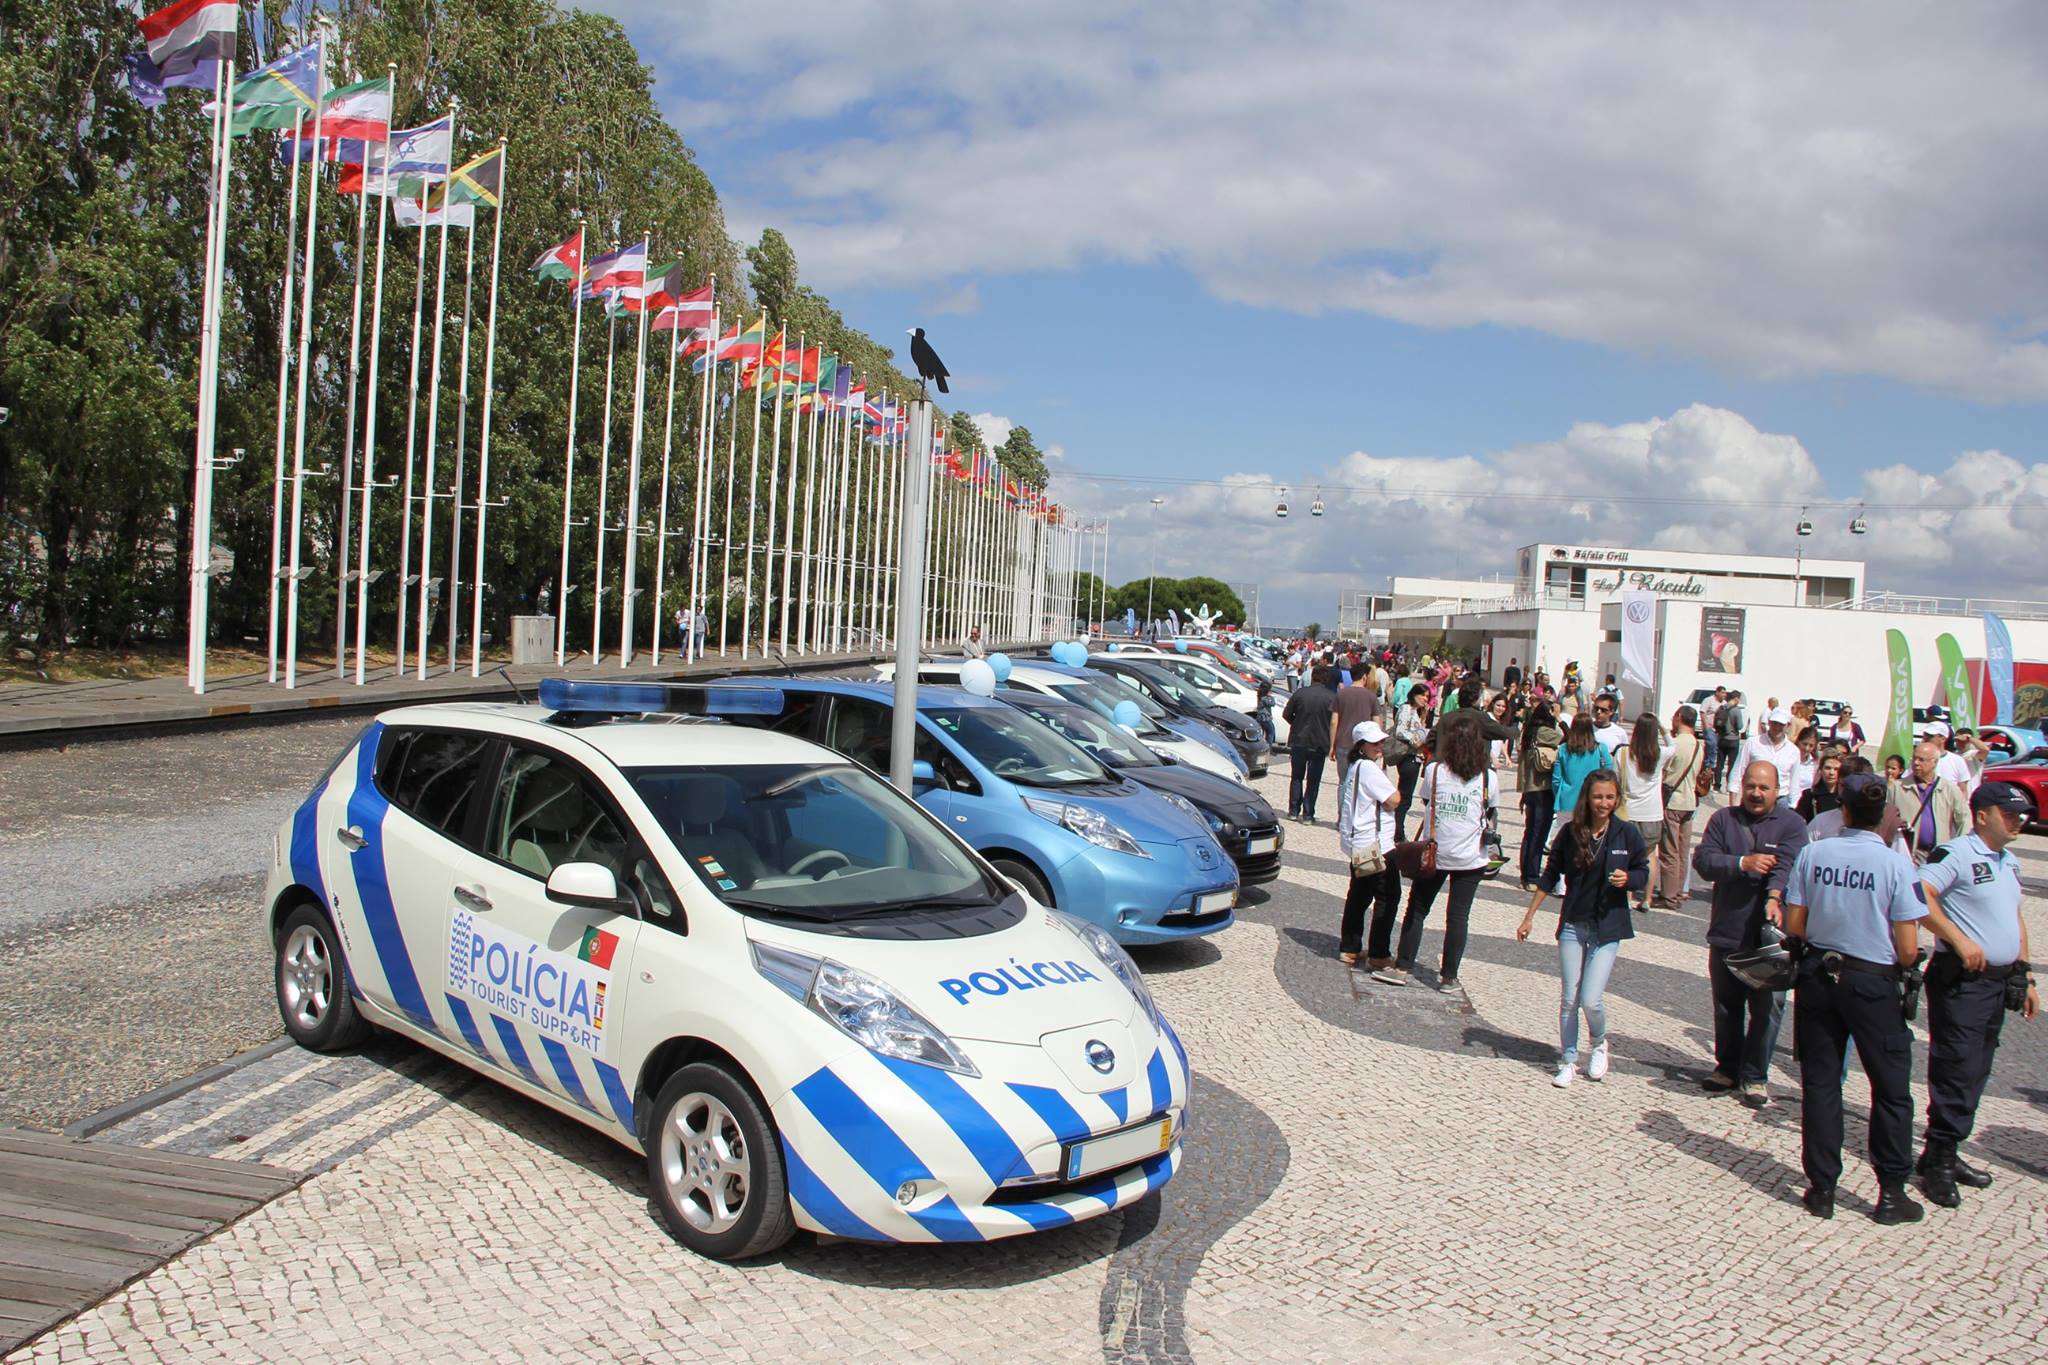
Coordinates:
(1372, 1173)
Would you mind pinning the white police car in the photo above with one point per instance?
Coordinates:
(805, 1001)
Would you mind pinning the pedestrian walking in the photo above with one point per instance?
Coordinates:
(1610, 732)
(1746, 851)
(1365, 834)
(1979, 971)
(1685, 765)
(1731, 726)
(1356, 702)
(1308, 715)
(1850, 902)
(1540, 741)
(1580, 756)
(1932, 807)
(1709, 732)
(1770, 747)
(1825, 793)
(1640, 764)
(1600, 861)
(1807, 768)
(1458, 792)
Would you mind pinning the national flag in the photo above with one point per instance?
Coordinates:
(597, 948)
(419, 154)
(186, 33)
(664, 283)
(349, 151)
(625, 268)
(748, 345)
(148, 84)
(480, 180)
(687, 311)
(361, 111)
(279, 94)
(854, 399)
(828, 376)
(562, 262)
(410, 212)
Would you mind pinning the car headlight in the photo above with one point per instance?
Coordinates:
(1092, 825)
(862, 1007)
(1186, 806)
(1116, 959)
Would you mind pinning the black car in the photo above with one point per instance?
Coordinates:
(1182, 699)
(1241, 819)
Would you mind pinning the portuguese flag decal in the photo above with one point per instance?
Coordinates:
(597, 948)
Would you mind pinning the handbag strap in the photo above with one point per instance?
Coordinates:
(1436, 780)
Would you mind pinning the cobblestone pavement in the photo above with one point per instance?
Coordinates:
(1372, 1173)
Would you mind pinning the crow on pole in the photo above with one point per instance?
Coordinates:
(929, 366)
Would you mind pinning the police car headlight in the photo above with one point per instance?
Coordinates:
(1092, 825)
(1116, 959)
(863, 1007)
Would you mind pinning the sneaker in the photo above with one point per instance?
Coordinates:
(1378, 964)
(1393, 976)
(1348, 959)
(1718, 1082)
(1447, 984)
(1596, 1069)
(1756, 1095)
(1564, 1075)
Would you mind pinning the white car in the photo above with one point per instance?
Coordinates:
(795, 992)
(1217, 685)
(1093, 692)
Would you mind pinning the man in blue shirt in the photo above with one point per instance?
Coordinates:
(1850, 900)
(1973, 906)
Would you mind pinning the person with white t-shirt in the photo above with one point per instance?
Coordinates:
(1962, 761)
(1610, 732)
(1640, 766)
(1456, 795)
(1365, 834)
(1770, 747)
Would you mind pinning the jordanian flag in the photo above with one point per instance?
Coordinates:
(564, 262)
(597, 948)
(182, 35)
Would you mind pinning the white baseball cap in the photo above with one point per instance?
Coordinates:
(1367, 732)
(1778, 716)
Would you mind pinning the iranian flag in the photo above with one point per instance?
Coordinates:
(564, 262)
(597, 948)
(361, 111)
(185, 33)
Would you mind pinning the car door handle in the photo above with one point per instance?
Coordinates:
(352, 838)
(473, 897)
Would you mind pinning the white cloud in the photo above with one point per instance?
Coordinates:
(994, 429)
(966, 299)
(1389, 516)
(1779, 190)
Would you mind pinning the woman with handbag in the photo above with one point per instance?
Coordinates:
(1411, 728)
(1540, 741)
(1458, 792)
(1601, 860)
(1686, 779)
(1365, 834)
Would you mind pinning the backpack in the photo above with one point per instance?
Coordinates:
(1542, 758)
(1729, 722)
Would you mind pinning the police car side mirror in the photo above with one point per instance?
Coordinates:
(588, 885)
(923, 777)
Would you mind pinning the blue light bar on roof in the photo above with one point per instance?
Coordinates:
(682, 699)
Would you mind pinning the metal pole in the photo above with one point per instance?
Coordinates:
(205, 443)
(284, 363)
(753, 497)
(910, 584)
(604, 494)
(569, 452)
(348, 437)
(483, 449)
(370, 413)
(668, 436)
(451, 591)
(412, 414)
(631, 553)
(291, 657)
(434, 390)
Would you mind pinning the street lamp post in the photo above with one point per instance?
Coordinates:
(1155, 562)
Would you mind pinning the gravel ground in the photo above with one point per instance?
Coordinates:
(130, 952)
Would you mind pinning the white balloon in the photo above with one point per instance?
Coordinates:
(977, 677)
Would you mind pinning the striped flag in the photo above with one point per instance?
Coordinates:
(625, 268)
(423, 152)
(686, 311)
(361, 111)
(277, 95)
(185, 33)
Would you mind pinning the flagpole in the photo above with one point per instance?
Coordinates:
(668, 436)
(348, 438)
(732, 466)
(569, 453)
(451, 590)
(789, 515)
(483, 448)
(805, 635)
(706, 445)
(412, 410)
(604, 492)
(205, 436)
(754, 497)
(849, 508)
(284, 362)
(632, 527)
(370, 408)
(291, 656)
(434, 384)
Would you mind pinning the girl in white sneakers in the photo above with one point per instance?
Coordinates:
(1601, 861)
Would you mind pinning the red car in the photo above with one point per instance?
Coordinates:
(2030, 775)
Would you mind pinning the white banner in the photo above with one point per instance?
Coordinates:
(1639, 639)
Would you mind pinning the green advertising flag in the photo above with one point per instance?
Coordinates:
(1955, 681)
(1898, 726)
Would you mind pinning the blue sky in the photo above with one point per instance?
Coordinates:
(1704, 257)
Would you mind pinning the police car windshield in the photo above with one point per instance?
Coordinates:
(1096, 737)
(1102, 697)
(816, 843)
(1016, 748)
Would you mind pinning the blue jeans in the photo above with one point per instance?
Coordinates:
(1585, 967)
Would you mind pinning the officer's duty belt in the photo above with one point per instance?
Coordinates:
(1830, 961)
(1947, 963)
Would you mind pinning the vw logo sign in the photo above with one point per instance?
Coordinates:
(1639, 612)
(1099, 1056)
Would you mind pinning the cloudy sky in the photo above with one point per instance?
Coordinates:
(1482, 275)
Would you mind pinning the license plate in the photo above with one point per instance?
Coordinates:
(1215, 900)
(1113, 1150)
(1265, 845)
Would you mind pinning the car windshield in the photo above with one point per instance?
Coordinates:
(1100, 739)
(1102, 697)
(1172, 686)
(810, 843)
(1016, 748)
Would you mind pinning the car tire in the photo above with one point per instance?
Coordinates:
(1026, 877)
(312, 979)
(715, 1165)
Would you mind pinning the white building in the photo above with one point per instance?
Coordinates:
(1782, 626)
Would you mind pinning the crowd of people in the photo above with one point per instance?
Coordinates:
(1821, 872)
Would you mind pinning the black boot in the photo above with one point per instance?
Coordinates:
(1895, 1206)
(1976, 1177)
(1820, 1203)
(1938, 1181)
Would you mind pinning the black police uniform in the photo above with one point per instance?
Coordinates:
(1980, 892)
(1848, 986)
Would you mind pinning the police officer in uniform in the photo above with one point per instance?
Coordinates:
(1850, 904)
(1978, 973)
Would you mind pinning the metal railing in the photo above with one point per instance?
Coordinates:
(1923, 605)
